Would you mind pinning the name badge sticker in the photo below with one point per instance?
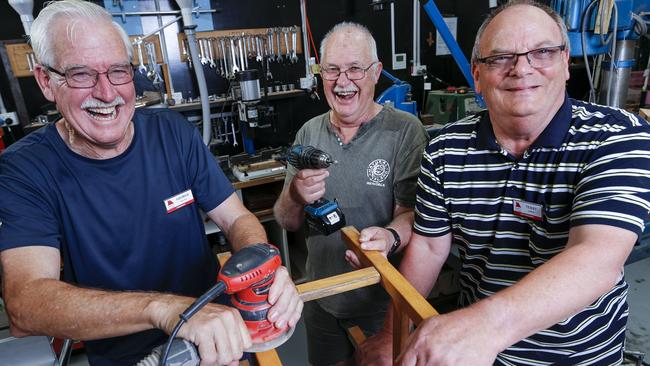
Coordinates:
(528, 210)
(180, 200)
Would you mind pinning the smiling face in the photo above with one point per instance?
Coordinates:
(99, 115)
(351, 100)
(522, 91)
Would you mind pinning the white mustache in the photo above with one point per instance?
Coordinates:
(94, 103)
(338, 89)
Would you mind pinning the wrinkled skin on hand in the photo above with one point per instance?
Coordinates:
(308, 185)
(451, 339)
(376, 350)
(371, 238)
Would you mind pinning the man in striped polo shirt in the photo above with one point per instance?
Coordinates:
(543, 195)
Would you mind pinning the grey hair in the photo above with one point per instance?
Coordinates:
(545, 8)
(350, 27)
(68, 11)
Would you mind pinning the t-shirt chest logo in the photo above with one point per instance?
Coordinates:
(377, 172)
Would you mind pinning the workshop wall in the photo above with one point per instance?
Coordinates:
(291, 114)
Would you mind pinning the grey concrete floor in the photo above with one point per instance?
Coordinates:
(638, 325)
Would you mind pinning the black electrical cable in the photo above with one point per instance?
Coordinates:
(185, 316)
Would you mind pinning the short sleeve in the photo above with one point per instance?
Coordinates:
(614, 187)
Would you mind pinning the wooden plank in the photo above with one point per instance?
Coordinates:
(167, 77)
(356, 335)
(338, 284)
(401, 324)
(331, 285)
(268, 358)
(400, 290)
(19, 59)
(223, 257)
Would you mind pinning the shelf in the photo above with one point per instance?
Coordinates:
(218, 102)
(258, 181)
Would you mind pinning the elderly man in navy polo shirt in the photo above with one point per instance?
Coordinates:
(544, 196)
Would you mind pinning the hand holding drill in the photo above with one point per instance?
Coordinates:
(308, 188)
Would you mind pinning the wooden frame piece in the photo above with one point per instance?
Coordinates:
(407, 301)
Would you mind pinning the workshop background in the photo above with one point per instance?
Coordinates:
(438, 88)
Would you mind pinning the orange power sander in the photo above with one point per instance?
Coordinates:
(247, 276)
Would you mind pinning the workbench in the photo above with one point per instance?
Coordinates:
(259, 196)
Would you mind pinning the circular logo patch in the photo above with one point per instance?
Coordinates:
(378, 170)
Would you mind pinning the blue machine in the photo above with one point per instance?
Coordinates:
(620, 33)
(399, 94)
(581, 16)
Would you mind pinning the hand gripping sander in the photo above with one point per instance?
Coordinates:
(247, 276)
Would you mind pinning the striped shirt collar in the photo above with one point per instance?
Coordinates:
(552, 136)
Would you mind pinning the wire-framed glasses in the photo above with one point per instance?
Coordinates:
(80, 77)
(353, 73)
(537, 58)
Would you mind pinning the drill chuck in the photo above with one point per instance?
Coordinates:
(309, 157)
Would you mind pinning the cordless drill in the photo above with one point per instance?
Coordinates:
(247, 276)
(323, 215)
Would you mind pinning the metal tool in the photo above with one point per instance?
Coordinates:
(259, 48)
(211, 55)
(204, 60)
(222, 44)
(218, 60)
(323, 216)
(278, 55)
(186, 48)
(141, 67)
(235, 68)
(243, 61)
(234, 137)
(269, 76)
(285, 33)
(294, 42)
(153, 74)
(270, 41)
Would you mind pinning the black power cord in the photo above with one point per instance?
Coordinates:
(185, 316)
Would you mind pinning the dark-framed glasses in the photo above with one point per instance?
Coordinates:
(84, 77)
(353, 73)
(537, 58)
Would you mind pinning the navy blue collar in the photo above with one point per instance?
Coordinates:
(552, 136)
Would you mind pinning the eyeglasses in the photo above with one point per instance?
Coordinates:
(538, 58)
(353, 73)
(85, 77)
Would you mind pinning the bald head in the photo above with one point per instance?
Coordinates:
(353, 33)
(476, 50)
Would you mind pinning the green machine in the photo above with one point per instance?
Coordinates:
(443, 106)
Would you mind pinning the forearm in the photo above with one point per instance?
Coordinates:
(52, 307)
(289, 212)
(403, 223)
(245, 230)
(421, 266)
(558, 289)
